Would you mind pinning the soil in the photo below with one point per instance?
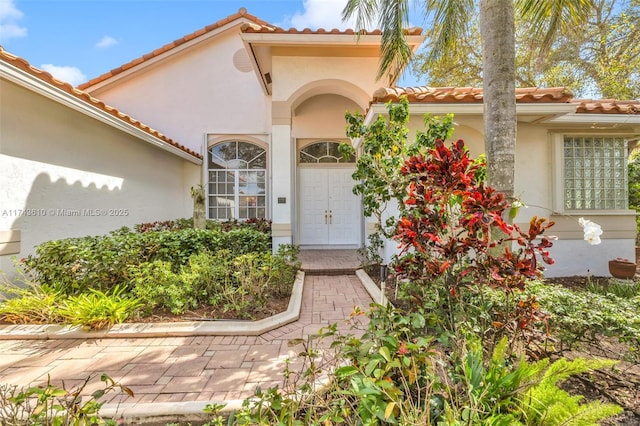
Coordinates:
(620, 385)
(273, 306)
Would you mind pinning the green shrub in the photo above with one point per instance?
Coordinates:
(217, 279)
(282, 269)
(208, 274)
(156, 285)
(102, 262)
(261, 225)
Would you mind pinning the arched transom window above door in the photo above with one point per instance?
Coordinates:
(323, 152)
(237, 173)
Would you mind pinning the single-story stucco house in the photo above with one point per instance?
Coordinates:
(255, 113)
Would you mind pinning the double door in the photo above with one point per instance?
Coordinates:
(329, 212)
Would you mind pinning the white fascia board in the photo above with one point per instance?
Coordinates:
(43, 88)
(287, 39)
(548, 109)
(588, 118)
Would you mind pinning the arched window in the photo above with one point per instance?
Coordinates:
(323, 152)
(237, 180)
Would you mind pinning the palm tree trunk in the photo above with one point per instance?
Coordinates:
(497, 25)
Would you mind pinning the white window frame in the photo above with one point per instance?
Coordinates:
(559, 173)
(307, 144)
(213, 140)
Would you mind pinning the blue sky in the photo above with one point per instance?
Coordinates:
(77, 40)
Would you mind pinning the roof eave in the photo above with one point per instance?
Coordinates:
(551, 110)
(318, 39)
(591, 118)
(39, 86)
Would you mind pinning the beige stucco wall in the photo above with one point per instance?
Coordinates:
(63, 174)
(322, 116)
(195, 92)
(295, 76)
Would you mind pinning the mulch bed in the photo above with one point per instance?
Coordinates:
(217, 313)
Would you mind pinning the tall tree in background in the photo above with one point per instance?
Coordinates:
(450, 20)
(600, 59)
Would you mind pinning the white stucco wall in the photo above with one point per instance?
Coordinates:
(63, 174)
(577, 257)
(195, 92)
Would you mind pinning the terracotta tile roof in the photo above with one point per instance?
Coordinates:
(423, 94)
(242, 13)
(262, 28)
(607, 106)
(83, 96)
(466, 94)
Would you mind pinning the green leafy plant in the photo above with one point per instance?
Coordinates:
(582, 316)
(389, 374)
(56, 406)
(625, 289)
(96, 309)
(156, 284)
(216, 279)
(547, 404)
(378, 178)
(29, 304)
(370, 253)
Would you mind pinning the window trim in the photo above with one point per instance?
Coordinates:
(302, 143)
(215, 139)
(558, 176)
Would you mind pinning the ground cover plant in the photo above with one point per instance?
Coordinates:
(468, 342)
(160, 270)
(52, 405)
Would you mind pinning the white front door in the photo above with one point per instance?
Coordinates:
(329, 212)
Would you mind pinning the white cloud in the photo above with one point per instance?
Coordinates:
(71, 75)
(8, 31)
(9, 13)
(106, 41)
(325, 14)
(8, 10)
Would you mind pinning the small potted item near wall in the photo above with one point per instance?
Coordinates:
(622, 268)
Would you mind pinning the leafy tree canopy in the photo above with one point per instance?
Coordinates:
(600, 59)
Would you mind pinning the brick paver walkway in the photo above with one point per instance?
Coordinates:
(198, 368)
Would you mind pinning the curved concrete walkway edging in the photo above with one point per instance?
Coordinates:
(371, 287)
(161, 414)
(166, 329)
